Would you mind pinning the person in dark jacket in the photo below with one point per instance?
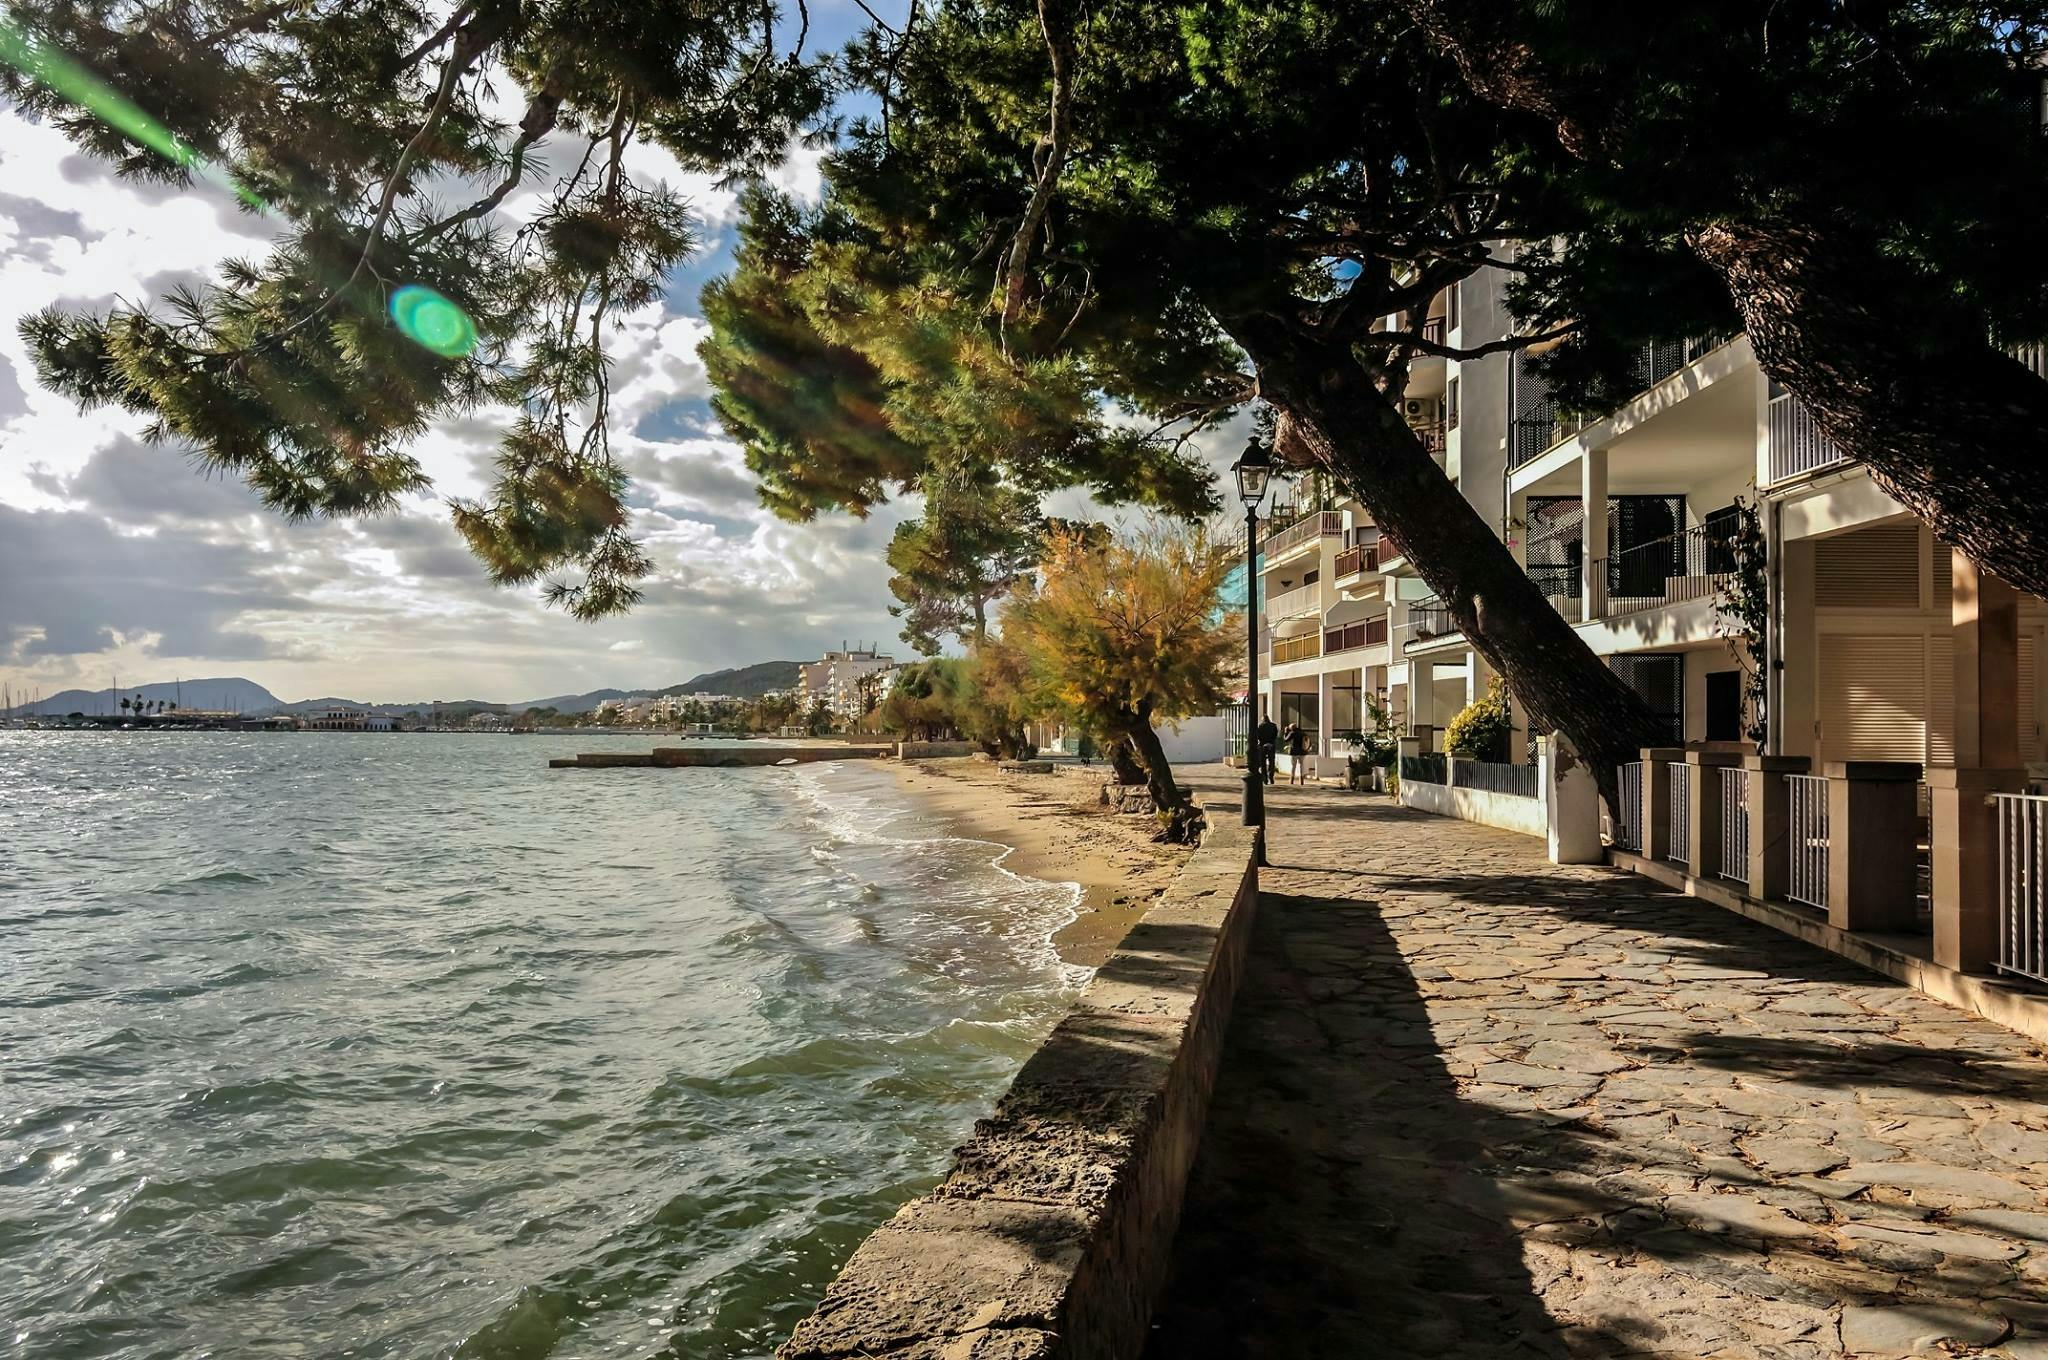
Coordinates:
(1297, 754)
(1265, 743)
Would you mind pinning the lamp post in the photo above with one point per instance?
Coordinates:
(1254, 469)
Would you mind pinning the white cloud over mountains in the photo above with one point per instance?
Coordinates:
(119, 556)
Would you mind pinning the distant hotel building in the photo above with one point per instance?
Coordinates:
(837, 679)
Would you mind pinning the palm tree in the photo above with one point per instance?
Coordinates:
(124, 705)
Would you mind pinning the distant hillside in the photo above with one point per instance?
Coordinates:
(246, 696)
(745, 682)
(220, 692)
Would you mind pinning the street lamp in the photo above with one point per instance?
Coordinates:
(1254, 469)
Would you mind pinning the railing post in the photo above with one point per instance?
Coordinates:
(1964, 829)
(1873, 844)
(1571, 803)
(1656, 836)
(1703, 827)
(1770, 823)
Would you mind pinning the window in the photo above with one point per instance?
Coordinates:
(1451, 308)
(1451, 405)
(1310, 578)
(1660, 679)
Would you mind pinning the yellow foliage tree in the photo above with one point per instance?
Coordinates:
(1126, 629)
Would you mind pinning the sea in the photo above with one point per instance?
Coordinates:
(358, 1044)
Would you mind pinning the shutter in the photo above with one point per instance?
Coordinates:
(2031, 744)
(1944, 580)
(1874, 568)
(1941, 706)
(1873, 698)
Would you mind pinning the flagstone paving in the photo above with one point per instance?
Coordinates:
(1473, 1104)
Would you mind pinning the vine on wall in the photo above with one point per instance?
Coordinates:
(1742, 601)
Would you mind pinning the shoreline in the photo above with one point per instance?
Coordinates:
(1056, 834)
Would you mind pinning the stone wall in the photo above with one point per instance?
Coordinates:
(931, 750)
(1051, 1237)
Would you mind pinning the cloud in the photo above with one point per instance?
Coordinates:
(119, 554)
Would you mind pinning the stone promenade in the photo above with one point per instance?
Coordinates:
(1476, 1105)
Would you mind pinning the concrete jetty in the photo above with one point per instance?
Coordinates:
(717, 757)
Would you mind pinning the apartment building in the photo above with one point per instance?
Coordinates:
(1629, 520)
(841, 679)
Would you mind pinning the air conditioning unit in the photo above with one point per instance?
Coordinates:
(1420, 410)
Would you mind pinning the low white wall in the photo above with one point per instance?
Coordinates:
(1193, 740)
(1503, 810)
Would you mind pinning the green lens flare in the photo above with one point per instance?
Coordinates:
(433, 322)
(37, 60)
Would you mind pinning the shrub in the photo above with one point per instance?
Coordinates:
(1483, 728)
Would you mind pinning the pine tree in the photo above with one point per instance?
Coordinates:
(1194, 208)
(1862, 187)
(397, 293)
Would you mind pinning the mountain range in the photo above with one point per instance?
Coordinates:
(246, 696)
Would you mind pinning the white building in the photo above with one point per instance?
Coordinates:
(841, 680)
(1869, 617)
(335, 719)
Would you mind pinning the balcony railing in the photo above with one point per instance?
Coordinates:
(2034, 356)
(1432, 437)
(1797, 445)
(1541, 423)
(1352, 561)
(1297, 648)
(1687, 566)
(1433, 330)
(1292, 604)
(1315, 524)
(1369, 633)
(1427, 622)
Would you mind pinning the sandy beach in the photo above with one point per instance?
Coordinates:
(1058, 833)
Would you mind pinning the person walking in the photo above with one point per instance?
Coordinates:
(1265, 745)
(1297, 754)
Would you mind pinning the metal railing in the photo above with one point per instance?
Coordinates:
(1626, 830)
(1681, 813)
(1292, 604)
(1808, 879)
(1797, 445)
(1734, 824)
(1433, 438)
(1369, 633)
(1315, 524)
(1433, 330)
(1297, 648)
(1428, 622)
(1426, 768)
(2022, 884)
(2034, 356)
(1665, 571)
(1541, 423)
(1517, 781)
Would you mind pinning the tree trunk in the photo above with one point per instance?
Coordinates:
(1124, 762)
(1176, 814)
(1339, 417)
(1953, 429)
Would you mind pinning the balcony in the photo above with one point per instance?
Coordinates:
(1433, 439)
(1428, 622)
(1293, 604)
(1541, 423)
(1304, 648)
(1797, 445)
(1689, 566)
(1315, 525)
(1368, 633)
(1354, 561)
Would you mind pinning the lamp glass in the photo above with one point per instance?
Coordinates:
(1254, 469)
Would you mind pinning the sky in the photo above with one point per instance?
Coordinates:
(118, 557)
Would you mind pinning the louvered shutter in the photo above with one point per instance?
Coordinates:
(1874, 568)
(1941, 707)
(1873, 698)
(2031, 744)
